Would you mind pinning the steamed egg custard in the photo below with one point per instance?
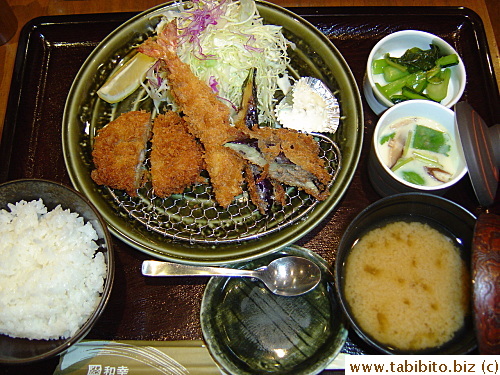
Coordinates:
(407, 285)
(419, 151)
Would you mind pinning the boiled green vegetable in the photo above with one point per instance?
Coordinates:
(448, 60)
(411, 93)
(391, 73)
(438, 91)
(417, 74)
(415, 59)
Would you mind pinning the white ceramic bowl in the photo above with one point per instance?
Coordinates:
(382, 178)
(396, 44)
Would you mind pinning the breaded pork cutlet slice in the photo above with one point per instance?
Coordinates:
(119, 152)
(176, 156)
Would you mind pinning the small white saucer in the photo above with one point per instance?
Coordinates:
(372, 101)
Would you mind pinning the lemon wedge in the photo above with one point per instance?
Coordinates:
(127, 79)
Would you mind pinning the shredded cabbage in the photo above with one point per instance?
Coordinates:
(157, 87)
(222, 40)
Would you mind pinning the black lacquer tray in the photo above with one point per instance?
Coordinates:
(50, 53)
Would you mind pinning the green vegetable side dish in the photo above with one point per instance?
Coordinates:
(417, 74)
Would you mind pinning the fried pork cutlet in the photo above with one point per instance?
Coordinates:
(176, 156)
(119, 152)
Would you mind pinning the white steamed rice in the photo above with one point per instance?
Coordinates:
(51, 276)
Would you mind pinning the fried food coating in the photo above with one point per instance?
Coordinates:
(119, 152)
(300, 148)
(207, 117)
(176, 156)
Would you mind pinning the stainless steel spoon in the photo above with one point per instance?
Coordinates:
(286, 276)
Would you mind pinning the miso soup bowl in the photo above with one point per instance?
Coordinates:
(396, 44)
(387, 182)
(442, 214)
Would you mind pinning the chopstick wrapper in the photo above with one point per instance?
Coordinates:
(137, 357)
(145, 358)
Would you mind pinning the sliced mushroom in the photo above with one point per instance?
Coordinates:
(438, 174)
(396, 147)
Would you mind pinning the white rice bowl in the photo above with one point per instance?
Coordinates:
(52, 275)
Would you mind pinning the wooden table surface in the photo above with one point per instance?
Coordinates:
(26, 10)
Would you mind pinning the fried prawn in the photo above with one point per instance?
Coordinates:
(207, 117)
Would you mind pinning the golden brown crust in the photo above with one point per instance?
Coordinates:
(118, 152)
(300, 148)
(253, 191)
(176, 156)
(207, 117)
(208, 120)
(279, 192)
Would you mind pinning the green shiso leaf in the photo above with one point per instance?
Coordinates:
(430, 140)
(413, 178)
(387, 138)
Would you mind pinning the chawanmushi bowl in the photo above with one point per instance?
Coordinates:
(383, 178)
